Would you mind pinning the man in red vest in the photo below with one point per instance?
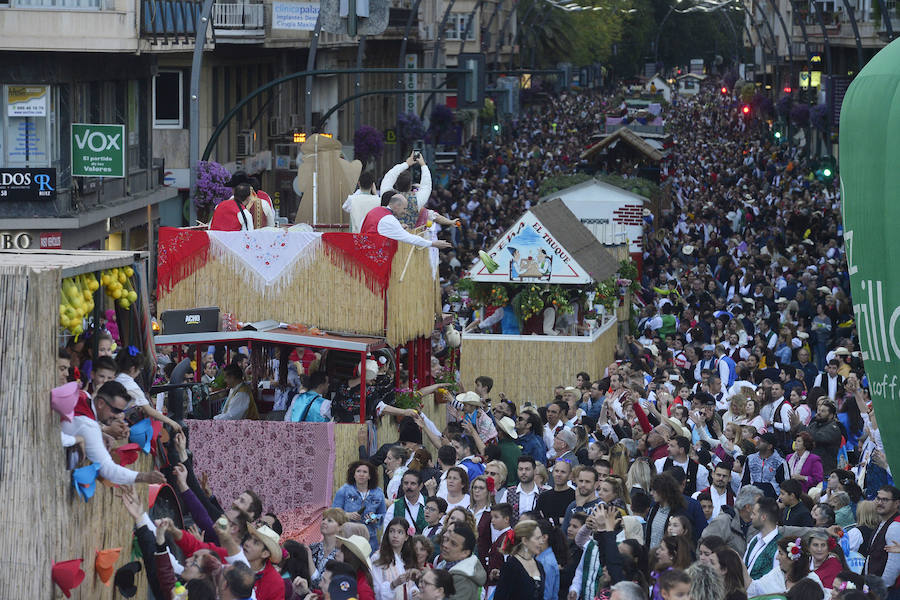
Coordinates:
(236, 213)
(381, 220)
(108, 404)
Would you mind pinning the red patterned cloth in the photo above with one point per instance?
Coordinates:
(366, 256)
(284, 463)
(180, 253)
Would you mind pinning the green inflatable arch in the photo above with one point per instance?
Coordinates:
(870, 181)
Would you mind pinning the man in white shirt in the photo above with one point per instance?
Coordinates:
(720, 491)
(411, 505)
(555, 423)
(830, 380)
(696, 475)
(523, 497)
(108, 405)
(360, 202)
(390, 180)
(383, 221)
(760, 556)
(239, 395)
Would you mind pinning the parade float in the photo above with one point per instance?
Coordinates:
(56, 534)
(341, 295)
(560, 292)
(347, 299)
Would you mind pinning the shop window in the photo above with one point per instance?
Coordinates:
(25, 126)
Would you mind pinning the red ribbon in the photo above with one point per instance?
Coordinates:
(490, 484)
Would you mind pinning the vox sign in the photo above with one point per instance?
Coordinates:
(98, 150)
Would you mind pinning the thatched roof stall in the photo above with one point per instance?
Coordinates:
(44, 521)
(575, 255)
(627, 143)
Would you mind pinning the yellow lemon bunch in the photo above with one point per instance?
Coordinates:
(76, 300)
(118, 286)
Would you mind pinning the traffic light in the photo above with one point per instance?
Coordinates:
(724, 91)
(826, 170)
(788, 89)
(496, 127)
(745, 110)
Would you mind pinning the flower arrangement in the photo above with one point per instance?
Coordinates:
(607, 293)
(211, 178)
(447, 375)
(368, 143)
(628, 270)
(558, 298)
(407, 398)
(591, 315)
(530, 302)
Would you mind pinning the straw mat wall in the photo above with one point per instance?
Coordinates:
(529, 369)
(42, 521)
(321, 294)
(347, 445)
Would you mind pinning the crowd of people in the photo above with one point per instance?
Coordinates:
(730, 450)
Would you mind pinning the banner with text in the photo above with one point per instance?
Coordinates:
(870, 149)
(98, 150)
(295, 16)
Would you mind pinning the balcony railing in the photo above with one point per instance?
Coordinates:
(170, 20)
(239, 16)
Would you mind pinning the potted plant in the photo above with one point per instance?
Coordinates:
(590, 317)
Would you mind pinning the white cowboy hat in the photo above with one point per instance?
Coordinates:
(508, 426)
(359, 547)
(270, 540)
(470, 398)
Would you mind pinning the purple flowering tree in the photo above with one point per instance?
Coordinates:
(211, 178)
(800, 115)
(409, 128)
(818, 117)
(368, 143)
(441, 120)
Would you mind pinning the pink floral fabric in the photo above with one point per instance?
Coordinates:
(289, 465)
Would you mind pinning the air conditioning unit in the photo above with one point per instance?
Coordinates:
(246, 142)
(275, 128)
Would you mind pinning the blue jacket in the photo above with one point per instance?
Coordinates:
(350, 500)
(533, 445)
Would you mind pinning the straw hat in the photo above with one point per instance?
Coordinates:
(270, 540)
(359, 547)
(781, 300)
(841, 351)
(687, 249)
(470, 398)
(824, 289)
(802, 335)
(508, 427)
